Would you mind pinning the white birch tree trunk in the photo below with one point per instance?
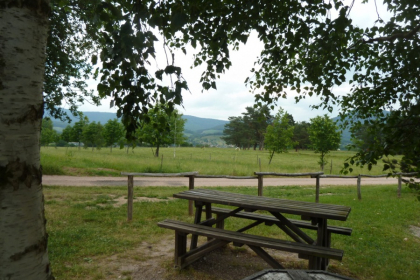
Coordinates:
(23, 237)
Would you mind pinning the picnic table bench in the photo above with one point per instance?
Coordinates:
(318, 251)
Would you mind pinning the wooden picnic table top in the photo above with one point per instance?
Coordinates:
(308, 209)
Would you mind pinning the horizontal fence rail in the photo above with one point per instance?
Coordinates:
(259, 176)
(315, 175)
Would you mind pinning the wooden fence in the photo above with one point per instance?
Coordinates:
(259, 175)
(130, 195)
(316, 175)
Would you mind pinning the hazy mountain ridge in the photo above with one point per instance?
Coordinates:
(200, 131)
(197, 129)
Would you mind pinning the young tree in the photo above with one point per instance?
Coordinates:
(279, 135)
(325, 137)
(160, 128)
(113, 132)
(92, 135)
(66, 134)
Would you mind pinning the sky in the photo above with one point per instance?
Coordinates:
(232, 96)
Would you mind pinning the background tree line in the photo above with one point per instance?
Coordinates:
(161, 128)
(279, 133)
(249, 130)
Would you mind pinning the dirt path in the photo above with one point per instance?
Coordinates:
(205, 182)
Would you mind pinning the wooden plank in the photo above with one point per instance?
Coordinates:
(130, 198)
(221, 194)
(226, 177)
(202, 194)
(286, 207)
(338, 176)
(199, 252)
(289, 174)
(254, 240)
(273, 220)
(160, 174)
(298, 275)
(336, 212)
(225, 215)
(294, 228)
(269, 259)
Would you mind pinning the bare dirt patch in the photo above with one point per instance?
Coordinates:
(415, 231)
(119, 201)
(155, 261)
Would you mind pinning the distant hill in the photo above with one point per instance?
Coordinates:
(200, 124)
(200, 131)
(194, 124)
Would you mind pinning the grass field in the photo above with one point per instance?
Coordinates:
(88, 235)
(209, 161)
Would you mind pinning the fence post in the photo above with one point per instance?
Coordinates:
(359, 182)
(190, 202)
(130, 198)
(317, 189)
(399, 186)
(260, 185)
(331, 168)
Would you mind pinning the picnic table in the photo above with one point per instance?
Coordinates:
(314, 216)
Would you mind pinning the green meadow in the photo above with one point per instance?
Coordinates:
(90, 238)
(208, 161)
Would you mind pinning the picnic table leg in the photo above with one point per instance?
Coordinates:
(197, 220)
(322, 240)
(180, 247)
(190, 187)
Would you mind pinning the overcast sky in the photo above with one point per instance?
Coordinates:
(232, 96)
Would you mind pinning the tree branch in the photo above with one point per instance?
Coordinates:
(393, 37)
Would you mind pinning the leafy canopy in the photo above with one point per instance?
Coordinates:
(309, 47)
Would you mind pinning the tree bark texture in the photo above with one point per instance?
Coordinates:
(23, 237)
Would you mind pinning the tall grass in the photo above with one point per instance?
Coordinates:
(85, 230)
(210, 161)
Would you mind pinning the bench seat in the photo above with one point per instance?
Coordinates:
(222, 236)
(269, 220)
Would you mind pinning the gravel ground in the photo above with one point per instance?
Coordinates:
(54, 180)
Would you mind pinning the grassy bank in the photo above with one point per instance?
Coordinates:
(210, 161)
(88, 234)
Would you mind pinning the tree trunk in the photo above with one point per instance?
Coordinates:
(271, 157)
(23, 237)
(157, 151)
